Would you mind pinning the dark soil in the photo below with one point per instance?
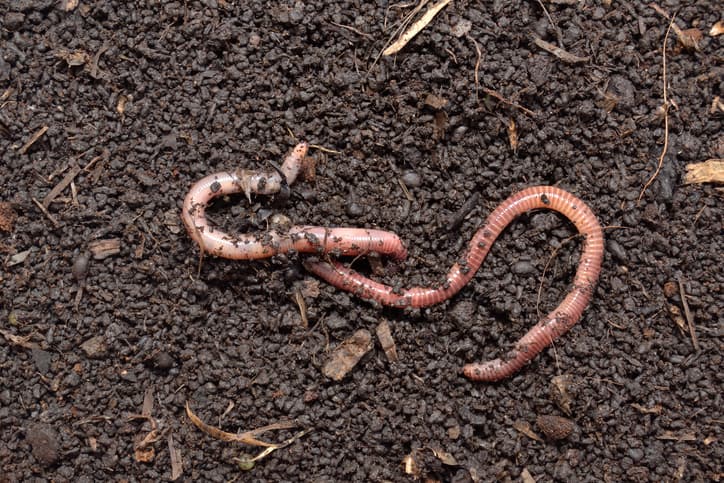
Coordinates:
(159, 96)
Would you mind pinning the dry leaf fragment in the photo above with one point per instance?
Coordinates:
(461, 28)
(386, 341)
(73, 58)
(710, 171)
(717, 28)
(526, 477)
(690, 38)
(247, 437)
(655, 409)
(559, 390)
(415, 28)
(177, 468)
(524, 428)
(436, 102)
(444, 457)
(347, 355)
(17, 340)
(513, 135)
(69, 5)
(558, 52)
(680, 436)
(102, 249)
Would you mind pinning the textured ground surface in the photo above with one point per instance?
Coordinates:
(159, 96)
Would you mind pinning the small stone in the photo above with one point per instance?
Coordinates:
(80, 266)
(522, 268)
(555, 427)
(44, 441)
(95, 347)
(412, 179)
(354, 209)
(163, 361)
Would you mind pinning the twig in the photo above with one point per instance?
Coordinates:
(46, 213)
(415, 28)
(689, 317)
(479, 56)
(58, 188)
(564, 55)
(559, 36)
(32, 139)
(502, 99)
(352, 29)
(666, 115)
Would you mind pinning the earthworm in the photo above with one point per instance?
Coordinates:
(304, 239)
(553, 325)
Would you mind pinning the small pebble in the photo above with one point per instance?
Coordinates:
(412, 179)
(80, 266)
(354, 209)
(163, 361)
(522, 268)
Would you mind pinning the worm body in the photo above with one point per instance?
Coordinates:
(544, 332)
(303, 239)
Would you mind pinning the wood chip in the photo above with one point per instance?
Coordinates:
(524, 428)
(386, 341)
(526, 477)
(177, 468)
(564, 55)
(513, 135)
(19, 341)
(58, 188)
(347, 355)
(415, 28)
(710, 171)
(102, 249)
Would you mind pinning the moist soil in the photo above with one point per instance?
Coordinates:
(134, 103)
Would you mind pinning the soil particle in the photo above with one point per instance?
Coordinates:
(44, 443)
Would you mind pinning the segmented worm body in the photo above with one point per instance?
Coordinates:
(353, 242)
(304, 239)
(556, 323)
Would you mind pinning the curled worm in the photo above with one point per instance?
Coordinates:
(553, 325)
(304, 239)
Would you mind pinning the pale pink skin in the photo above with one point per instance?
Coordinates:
(552, 326)
(303, 239)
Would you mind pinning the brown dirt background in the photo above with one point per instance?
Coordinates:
(212, 85)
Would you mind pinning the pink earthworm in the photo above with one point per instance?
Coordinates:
(552, 326)
(303, 239)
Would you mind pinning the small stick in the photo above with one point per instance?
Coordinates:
(58, 188)
(415, 28)
(46, 213)
(352, 29)
(689, 318)
(502, 99)
(32, 139)
(559, 36)
(564, 55)
(666, 115)
(479, 57)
